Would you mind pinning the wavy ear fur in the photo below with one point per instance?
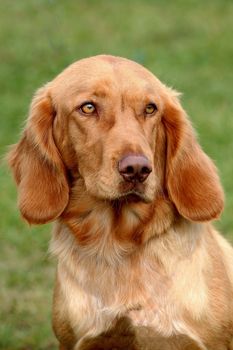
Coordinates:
(191, 177)
(38, 169)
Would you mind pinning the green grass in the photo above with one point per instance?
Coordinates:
(188, 44)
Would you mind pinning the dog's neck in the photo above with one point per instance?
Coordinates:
(95, 222)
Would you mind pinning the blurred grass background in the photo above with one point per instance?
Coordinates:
(187, 44)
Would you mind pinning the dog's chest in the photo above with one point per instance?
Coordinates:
(135, 289)
(96, 292)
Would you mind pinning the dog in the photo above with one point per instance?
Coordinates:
(109, 153)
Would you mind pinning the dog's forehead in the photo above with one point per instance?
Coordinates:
(102, 74)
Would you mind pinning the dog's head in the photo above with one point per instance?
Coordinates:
(111, 124)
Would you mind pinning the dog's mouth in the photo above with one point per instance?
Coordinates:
(132, 197)
(132, 192)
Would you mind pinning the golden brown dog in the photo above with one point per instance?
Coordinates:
(109, 153)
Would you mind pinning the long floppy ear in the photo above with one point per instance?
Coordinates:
(38, 169)
(192, 180)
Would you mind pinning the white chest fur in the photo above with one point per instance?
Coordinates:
(140, 286)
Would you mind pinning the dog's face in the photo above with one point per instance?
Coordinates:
(113, 110)
(113, 124)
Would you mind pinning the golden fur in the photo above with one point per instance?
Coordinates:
(136, 270)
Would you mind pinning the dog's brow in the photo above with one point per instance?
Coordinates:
(100, 92)
(102, 88)
(149, 90)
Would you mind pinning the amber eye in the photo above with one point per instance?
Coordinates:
(88, 108)
(151, 108)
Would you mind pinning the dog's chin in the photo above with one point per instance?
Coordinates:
(125, 194)
(132, 197)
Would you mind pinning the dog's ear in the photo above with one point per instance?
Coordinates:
(37, 166)
(192, 180)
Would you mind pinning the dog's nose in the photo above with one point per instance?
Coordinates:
(134, 168)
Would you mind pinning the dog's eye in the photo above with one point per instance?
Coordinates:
(88, 108)
(151, 108)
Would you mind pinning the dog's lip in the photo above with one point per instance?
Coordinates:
(132, 192)
(132, 196)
